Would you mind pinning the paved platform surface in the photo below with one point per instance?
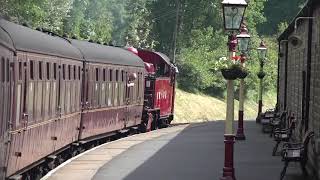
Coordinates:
(190, 152)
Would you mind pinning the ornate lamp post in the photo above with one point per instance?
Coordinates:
(233, 11)
(243, 39)
(262, 54)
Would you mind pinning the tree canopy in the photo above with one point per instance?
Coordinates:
(150, 24)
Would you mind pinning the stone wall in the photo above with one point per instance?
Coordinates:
(297, 84)
(314, 110)
(297, 58)
(282, 73)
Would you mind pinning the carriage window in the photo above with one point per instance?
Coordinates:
(48, 71)
(138, 86)
(55, 71)
(31, 70)
(104, 74)
(69, 72)
(74, 72)
(97, 74)
(20, 70)
(8, 67)
(2, 65)
(110, 76)
(117, 75)
(64, 72)
(122, 76)
(40, 70)
(79, 72)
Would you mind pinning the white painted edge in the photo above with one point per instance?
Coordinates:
(50, 173)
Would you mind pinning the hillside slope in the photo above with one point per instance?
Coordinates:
(199, 108)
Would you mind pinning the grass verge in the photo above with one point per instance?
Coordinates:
(191, 108)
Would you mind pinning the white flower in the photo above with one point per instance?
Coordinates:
(223, 58)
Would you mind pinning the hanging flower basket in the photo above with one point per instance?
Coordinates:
(261, 75)
(243, 74)
(229, 74)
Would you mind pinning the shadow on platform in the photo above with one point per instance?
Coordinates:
(197, 153)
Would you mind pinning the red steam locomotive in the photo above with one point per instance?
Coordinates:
(61, 96)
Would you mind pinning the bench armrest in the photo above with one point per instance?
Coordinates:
(288, 145)
(292, 152)
(277, 130)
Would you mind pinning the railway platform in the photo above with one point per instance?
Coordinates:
(185, 152)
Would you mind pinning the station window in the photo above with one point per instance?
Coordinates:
(40, 70)
(122, 76)
(48, 71)
(31, 70)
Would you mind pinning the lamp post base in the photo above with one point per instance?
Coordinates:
(240, 132)
(228, 169)
(258, 120)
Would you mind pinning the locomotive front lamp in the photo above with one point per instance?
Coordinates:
(243, 39)
(233, 12)
(262, 51)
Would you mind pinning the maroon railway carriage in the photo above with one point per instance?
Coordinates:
(6, 58)
(44, 96)
(62, 95)
(59, 93)
(113, 91)
(159, 87)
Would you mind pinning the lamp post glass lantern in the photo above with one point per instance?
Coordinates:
(243, 39)
(233, 12)
(262, 51)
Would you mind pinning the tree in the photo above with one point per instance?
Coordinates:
(48, 14)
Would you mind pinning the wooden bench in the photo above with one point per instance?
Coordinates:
(296, 152)
(266, 118)
(283, 135)
(272, 121)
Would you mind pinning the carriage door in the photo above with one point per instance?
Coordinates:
(6, 85)
(85, 98)
(127, 98)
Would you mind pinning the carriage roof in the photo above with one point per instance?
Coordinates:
(98, 53)
(29, 40)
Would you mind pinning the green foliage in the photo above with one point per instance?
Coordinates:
(277, 11)
(201, 41)
(45, 13)
(139, 24)
(199, 64)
